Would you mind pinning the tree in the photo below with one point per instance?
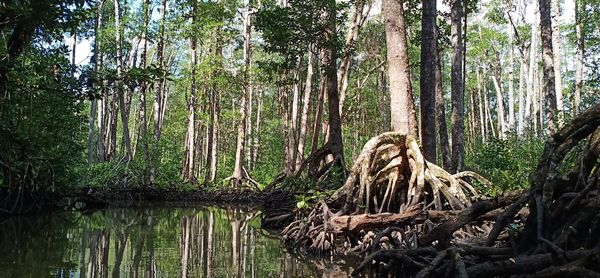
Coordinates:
(580, 38)
(549, 86)
(402, 106)
(428, 82)
(189, 159)
(457, 87)
(119, 84)
(328, 48)
(556, 51)
(238, 174)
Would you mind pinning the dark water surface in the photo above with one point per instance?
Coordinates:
(149, 242)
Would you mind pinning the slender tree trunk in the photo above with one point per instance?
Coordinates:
(402, 106)
(119, 83)
(241, 129)
(499, 104)
(428, 79)
(511, 82)
(92, 155)
(457, 87)
(531, 78)
(190, 142)
(549, 87)
(293, 131)
(556, 51)
(305, 109)
(579, 32)
(213, 123)
(319, 113)
(256, 148)
(488, 114)
(361, 11)
(144, 87)
(384, 107)
(159, 91)
(522, 85)
(482, 119)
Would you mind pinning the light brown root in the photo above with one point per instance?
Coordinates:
(378, 176)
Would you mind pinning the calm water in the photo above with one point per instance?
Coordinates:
(149, 242)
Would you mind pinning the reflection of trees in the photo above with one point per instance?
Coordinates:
(142, 243)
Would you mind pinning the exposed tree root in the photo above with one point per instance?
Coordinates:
(391, 175)
(390, 183)
(559, 237)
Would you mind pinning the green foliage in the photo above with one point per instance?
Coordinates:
(41, 121)
(506, 163)
(290, 30)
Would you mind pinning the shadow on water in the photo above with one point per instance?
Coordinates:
(149, 242)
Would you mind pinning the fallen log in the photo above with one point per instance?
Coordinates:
(355, 223)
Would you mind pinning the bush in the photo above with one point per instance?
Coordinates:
(506, 163)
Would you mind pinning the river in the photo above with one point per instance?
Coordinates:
(150, 242)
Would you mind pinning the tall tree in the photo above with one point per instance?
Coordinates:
(556, 51)
(143, 126)
(549, 86)
(511, 81)
(440, 114)
(580, 37)
(305, 108)
(190, 142)
(361, 11)
(119, 83)
(96, 61)
(402, 106)
(428, 79)
(244, 106)
(329, 57)
(457, 87)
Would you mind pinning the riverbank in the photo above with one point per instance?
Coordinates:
(85, 199)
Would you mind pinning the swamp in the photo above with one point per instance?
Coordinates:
(299, 138)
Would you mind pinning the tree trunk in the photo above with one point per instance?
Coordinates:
(159, 94)
(428, 79)
(119, 83)
(549, 87)
(402, 106)
(511, 82)
(305, 108)
(556, 51)
(92, 155)
(457, 87)
(256, 148)
(499, 104)
(190, 141)
(241, 128)
(358, 19)
(440, 113)
(293, 131)
(530, 79)
(335, 140)
(522, 86)
(144, 86)
(579, 32)
(319, 113)
(213, 123)
(482, 119)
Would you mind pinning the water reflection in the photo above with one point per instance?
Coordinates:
(157, 242)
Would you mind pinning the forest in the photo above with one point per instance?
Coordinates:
(393, 138)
